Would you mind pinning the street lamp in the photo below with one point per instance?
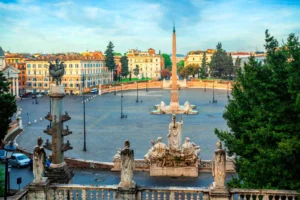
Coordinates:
(137, 92)
(36, 102)
(204, 86)
(83, 99)
(214, 100)
(10, 148)
(122, 116)
(147, 86)
(115, 90)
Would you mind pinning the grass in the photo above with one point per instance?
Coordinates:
(135, 79)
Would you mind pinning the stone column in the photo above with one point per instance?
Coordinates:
(38, 191)
(58, 172)
(13, 86)
(218, 190)
(17, 87)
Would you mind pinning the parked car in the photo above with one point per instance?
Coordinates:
(2, 155)
(39, 95)
(25, 95)
(19, 160)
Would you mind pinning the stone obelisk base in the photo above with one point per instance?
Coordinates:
(127, 193)
(219, 193)
(38, 191)
(59, 174)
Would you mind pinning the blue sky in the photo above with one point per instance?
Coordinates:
(76, 25)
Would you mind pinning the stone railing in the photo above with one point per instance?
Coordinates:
(163, 193)
(74, 191)
(84, 192)
(252, 194)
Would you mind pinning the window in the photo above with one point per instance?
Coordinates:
(34, 84)
(28, 72)
(66, 85)
(46, 85)
(39, 65)
(94, 65)
(76, 65)
(29, 84)
(40, 85)
(45, 66)
(77, 85)
(71, 85)
(70, 66)
(40, 72)
(28, 65)
(33, 66)
(45, 79)
(84, 65)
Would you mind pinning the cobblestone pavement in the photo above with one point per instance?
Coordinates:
(106, 131)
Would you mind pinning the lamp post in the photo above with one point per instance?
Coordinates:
(214, 100)
(10, 148)
(147, 86)
(115, 90)
(28, 119)
(83, 98)
(50, 101)
(137, 92)
(36, 101)
(122, 116)
(204, 86)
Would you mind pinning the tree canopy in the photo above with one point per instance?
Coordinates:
(189, 70)
(264, 119)
(203, 69)
(109, 56)
(8, 105)
(124, 63)
(221, 64)
(136, 71)
(168, 62)
(180, 63)
(165, 73)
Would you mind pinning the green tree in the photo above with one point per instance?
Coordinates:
(167, 61)
(109, 57)
(124, 64)
(189, 70)
(165, 73)
(237, 65)
(229, 68)
(117, 54)
(203, 69)
(218, 62)
(264, 119)
(180, 63)
(8, 105)
(136, 71)
(2, 180)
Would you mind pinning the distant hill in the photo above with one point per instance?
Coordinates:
(178, 55)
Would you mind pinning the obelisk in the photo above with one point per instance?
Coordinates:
(174, 105)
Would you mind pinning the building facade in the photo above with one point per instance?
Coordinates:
(2, 59)
(149, 63)
(195, 57)
(18, 61)
(81, 72)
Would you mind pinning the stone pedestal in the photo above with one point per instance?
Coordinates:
(99, 90)
(219, 193)
(191, 171)
(126, 193)
(59, 173)
(38, 191)
(20, 122)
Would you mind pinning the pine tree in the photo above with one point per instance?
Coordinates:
(124, 63)
(8, 105)
(203, 68)
(109, 57)
(219, 62)
(263, 119)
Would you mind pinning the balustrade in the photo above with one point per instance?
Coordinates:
(252, 194)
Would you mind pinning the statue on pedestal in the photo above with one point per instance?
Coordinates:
(150, 152)
(19, 112)
(175, 134)
(219, 166)
(127, 160)
(39, 161)
(188, 150)
(159, 152)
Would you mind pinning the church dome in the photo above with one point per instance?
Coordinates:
(1, 52)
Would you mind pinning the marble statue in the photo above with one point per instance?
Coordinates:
(188, 149)
(197, 150)
(149, 154)
(175, 134)
(162, 104)
(127, 166)
(219, 166)
(19, 112)
(39, 161)
(118, 154)
(159, 149)
(57, 71)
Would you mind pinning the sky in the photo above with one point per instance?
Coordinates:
(52, 26)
